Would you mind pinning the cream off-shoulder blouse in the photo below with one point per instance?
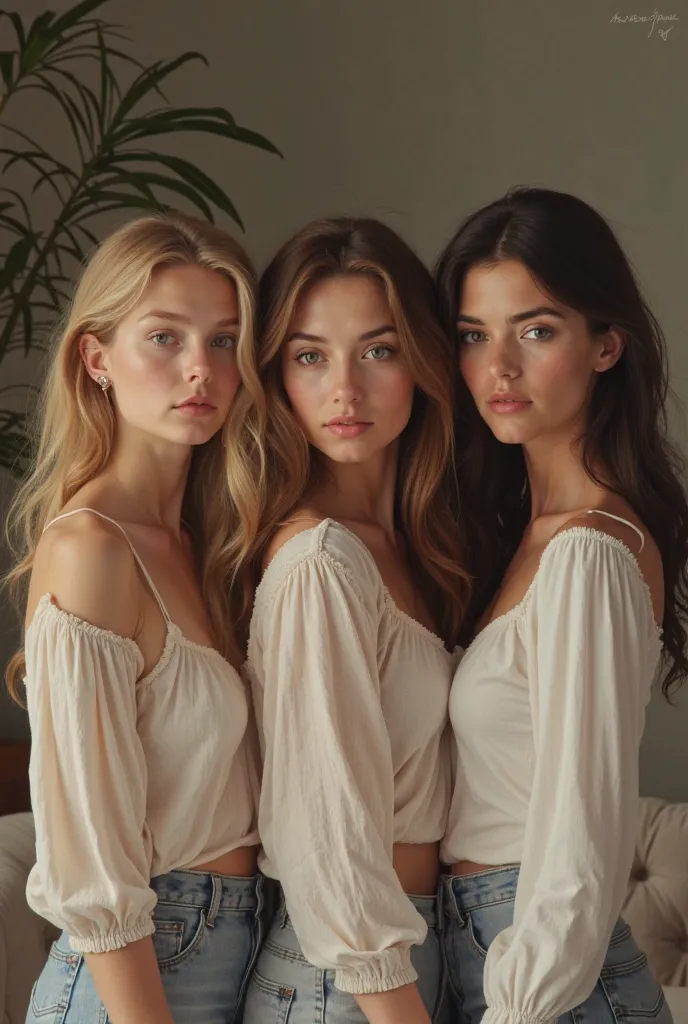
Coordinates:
(548, 707)
(132, 776)
(351, 702)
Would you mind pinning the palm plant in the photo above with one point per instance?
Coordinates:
(77, 60)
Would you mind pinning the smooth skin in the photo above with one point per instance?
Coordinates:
(177, 342)
(342, 361)
(517, 342)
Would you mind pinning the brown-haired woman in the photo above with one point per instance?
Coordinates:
(574, 498)
(359, 557)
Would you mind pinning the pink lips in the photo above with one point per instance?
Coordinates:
(347, 426)
(196, 407)
(504, 402)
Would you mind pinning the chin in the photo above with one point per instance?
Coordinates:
(511, 431)
(199, 436)
(348, 453)
(346, 458)
(511, 436)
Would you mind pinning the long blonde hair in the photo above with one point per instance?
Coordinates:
(75, 425)
(285, 465)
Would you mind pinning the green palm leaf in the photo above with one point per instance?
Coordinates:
(79, 64)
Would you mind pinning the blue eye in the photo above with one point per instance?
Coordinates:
(379, 352)
(160, 338)
(308, 358)
(226, 341)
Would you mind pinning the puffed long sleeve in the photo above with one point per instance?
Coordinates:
(591, 661)
(88, 783)
(327, 801)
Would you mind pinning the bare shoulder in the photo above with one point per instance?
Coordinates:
(646, 552)
(299, 522)
(87, 565)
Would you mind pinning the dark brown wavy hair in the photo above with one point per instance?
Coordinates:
(573, 254)
(286, 466)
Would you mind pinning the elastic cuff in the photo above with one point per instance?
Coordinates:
(385, 971)
(113, 940)
(504, 1015)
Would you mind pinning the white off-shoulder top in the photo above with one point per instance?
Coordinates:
(548, 707)
(131, 776)
(351, 700)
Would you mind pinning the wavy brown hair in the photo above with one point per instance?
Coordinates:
(290, 466)
(572, 253)
(75, 426)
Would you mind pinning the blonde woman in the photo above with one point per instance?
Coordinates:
(360, 603)
(142, 780)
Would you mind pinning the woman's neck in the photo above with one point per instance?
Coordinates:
(149, 482)
(559, 482)
(361, 492)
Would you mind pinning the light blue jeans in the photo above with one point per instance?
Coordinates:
(478, 907)
(207, 935)
(285, 988)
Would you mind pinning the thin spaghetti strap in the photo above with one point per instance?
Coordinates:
(139, 561)
(300, 519)
(610, 515)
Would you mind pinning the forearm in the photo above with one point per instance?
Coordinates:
(399, 1006)
(129, 984)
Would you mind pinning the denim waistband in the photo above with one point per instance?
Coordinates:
(213, 892)
(427, 907)
(467, 892)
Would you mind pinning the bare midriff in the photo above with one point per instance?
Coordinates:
(469, 867)
(240, 863)
(417, 866)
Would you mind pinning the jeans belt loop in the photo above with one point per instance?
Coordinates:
(214, 901)
(453, 906)
(282, 915)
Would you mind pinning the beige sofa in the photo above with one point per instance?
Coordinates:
(24, 937)
(657, 902)
(656, 908)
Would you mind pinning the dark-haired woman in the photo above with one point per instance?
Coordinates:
(580, 526)
(356, 552)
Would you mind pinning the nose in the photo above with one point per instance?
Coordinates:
(197, 365)
(346, 386)
(503, 360)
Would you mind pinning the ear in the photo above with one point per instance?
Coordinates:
(94, 355)
(611, 345)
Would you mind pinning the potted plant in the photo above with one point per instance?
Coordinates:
(113, 109)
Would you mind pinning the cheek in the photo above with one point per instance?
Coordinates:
(469, 367)
(304, 392)
(228, 379)
(398, 389)
(143, 370)
(562, 376)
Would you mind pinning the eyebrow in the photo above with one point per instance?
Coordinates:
(368, 336)
(517, 318)
(162, 314)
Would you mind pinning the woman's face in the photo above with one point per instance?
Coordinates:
(172, 359)
(343, 370)
(530, 362)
